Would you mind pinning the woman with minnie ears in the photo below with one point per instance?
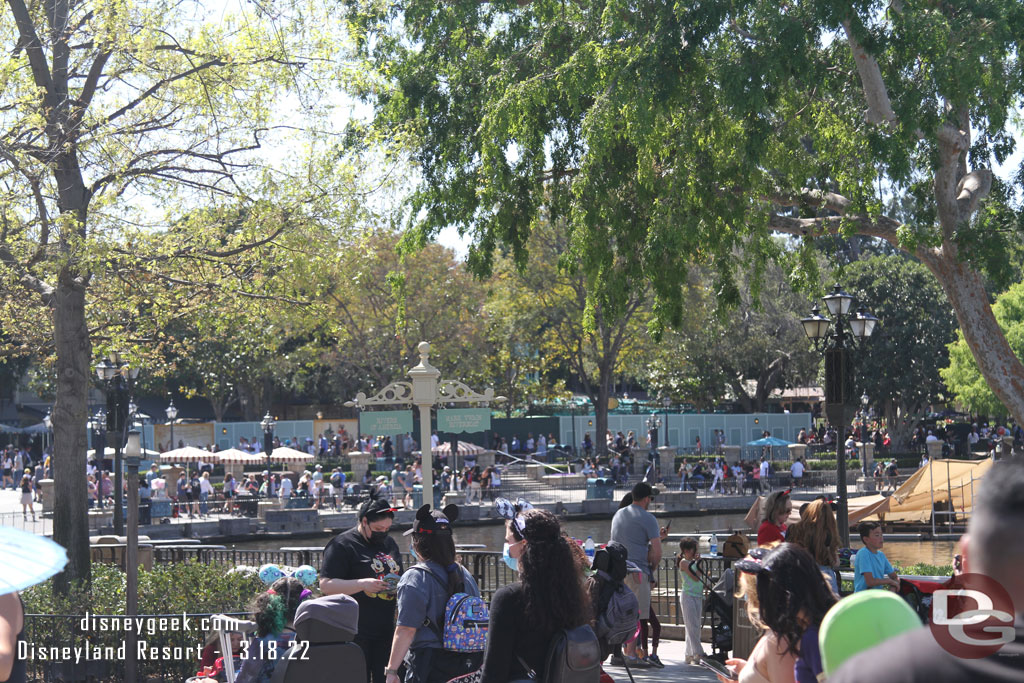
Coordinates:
(423, 593)
(548, 597)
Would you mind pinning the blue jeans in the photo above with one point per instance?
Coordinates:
(203, 507)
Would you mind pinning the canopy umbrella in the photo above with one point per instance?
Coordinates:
(465, 448)
(27, 559)
(233, 456)
(189, 454)
(38, 428)
(769, 441)
(108, 452)
(10, 430)
(285, 454)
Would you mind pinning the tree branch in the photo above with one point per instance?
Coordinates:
(811, 198)
(879, 106)
(952, 142)
(884, 227)
(29, 40)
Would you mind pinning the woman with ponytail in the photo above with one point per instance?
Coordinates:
(273, 612)
(548, 597)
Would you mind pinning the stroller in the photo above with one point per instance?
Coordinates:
(717, 608)
(919, 593)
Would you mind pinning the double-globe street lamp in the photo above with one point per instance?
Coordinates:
(118, 376)
(172, 413)
(839, 377)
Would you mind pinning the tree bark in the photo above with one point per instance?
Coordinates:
(70, 413)
(998, 364)
(604, 381)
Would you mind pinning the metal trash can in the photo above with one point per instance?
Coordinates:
(600, 489)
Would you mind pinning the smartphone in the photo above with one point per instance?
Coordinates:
(668, 525)
(718, 668)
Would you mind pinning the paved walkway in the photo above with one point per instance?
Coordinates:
(672, 653)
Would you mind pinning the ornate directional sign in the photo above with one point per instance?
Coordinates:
(464, 420)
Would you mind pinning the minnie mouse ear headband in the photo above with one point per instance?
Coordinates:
(375, 506)
(269, 573)
(753, 563)
(513, 511)
(434, 522)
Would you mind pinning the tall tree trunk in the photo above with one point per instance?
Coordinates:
(998, 364)
(604, 381)
(70, 413)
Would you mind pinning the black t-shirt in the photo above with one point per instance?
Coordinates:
(916, 657)
(350, 556)
(512, 638)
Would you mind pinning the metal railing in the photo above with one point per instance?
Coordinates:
(487, 567)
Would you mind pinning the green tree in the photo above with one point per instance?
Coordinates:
(381, 305)
(752, 349)
(899, 367)
(116, 111)
(667, 134)
(962, 376)
(561, 331)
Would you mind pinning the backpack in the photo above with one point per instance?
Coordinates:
(618, 609)
(465, 621)
(574, 656)
(736, 547)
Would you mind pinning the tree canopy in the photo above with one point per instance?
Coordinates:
(668, 134)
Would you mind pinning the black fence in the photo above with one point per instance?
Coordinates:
(487, 568)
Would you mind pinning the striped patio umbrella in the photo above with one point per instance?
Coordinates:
(233, 456)
(285, 454)
(189, 454)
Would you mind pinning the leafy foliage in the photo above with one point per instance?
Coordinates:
(899, 368)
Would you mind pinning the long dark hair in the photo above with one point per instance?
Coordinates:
(552, 582)
(790, 583)
(440, 548)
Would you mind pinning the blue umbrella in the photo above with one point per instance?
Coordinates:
(769, 441)
(27, 559)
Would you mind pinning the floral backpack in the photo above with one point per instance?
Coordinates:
(465, 621)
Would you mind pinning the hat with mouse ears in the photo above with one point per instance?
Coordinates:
(513, 511)
(434, 521)
(753, 563)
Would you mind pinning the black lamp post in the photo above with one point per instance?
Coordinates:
(172, 413)
(132, 457)
(839, 394)
(268, 442)
(118, 376)
(665, 403)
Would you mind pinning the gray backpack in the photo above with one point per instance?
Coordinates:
(573, 657)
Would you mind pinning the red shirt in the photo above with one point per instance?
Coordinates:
(769, 533)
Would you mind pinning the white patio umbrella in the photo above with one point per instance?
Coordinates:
(285, 454)
(27, 559)
(189, 454)
(108, 452)
(233, 456)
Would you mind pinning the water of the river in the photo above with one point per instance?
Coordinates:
(492, 537)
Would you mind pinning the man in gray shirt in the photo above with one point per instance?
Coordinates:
(637, 529)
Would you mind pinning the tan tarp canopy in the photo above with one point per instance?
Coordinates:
(939, 481)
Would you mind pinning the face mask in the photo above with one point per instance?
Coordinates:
(377, 537)
(512, 562)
